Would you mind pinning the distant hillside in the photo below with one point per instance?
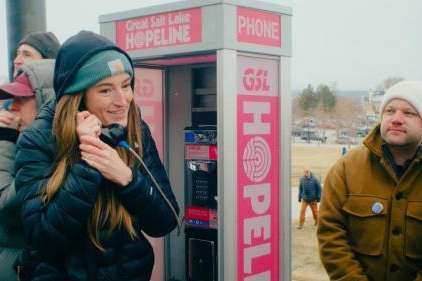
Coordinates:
(356, 93)
(341, 93)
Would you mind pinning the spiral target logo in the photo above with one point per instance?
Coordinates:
(256, 159)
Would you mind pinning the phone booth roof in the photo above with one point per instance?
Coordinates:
(201, 27)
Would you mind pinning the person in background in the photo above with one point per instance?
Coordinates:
(309, 195)
(370, 220)
(36, 46)
(87, 203)
(22, 100)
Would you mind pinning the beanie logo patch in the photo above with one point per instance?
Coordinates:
(116, 66)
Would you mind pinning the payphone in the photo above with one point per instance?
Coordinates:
(201, 203)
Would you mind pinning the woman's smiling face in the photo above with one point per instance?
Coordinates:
(110, 99)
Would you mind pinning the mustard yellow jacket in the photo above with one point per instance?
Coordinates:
(370, 222)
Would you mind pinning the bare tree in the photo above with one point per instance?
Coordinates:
(387, 83)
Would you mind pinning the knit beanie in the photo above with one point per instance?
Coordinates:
(100, 66)
(44, 42)
(410, 91)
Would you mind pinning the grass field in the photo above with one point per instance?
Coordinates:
(319, 158)
(306, 265)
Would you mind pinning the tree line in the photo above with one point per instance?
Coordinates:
(323, 97)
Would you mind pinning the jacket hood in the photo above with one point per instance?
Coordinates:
(74, 53)
(40, 74)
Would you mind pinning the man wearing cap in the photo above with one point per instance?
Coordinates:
(370, 220)
(22, 100)
(35, 46)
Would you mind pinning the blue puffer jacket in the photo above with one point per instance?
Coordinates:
(309, 189)
(56, 233)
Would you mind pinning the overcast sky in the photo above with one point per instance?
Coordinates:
(354, 44)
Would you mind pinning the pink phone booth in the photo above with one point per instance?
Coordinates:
(213, 78)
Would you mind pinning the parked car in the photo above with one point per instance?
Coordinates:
(362, 132)
(313, 136)
(297, 132)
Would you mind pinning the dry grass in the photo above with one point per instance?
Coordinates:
(306, 265)
(319, 158)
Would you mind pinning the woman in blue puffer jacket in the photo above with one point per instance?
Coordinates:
(86, 203)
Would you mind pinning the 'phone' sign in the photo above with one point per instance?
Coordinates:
(258, 27)
(258, 169)
(160, 30)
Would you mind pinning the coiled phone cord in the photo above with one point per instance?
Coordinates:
(126, 146)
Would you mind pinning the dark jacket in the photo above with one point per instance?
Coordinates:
(57, 231)
(40, 74)
(309, 189)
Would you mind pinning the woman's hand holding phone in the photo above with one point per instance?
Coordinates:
(87, 124)
(105, 159)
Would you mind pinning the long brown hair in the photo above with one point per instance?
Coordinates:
(108, 210)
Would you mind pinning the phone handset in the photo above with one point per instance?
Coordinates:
(111, 134)
(115, 135)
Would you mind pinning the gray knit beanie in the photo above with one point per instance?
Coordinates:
(44, 42)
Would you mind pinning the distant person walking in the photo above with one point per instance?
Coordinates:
(309, 195)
